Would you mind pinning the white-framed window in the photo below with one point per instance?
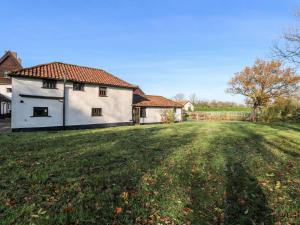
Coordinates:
(6, 74)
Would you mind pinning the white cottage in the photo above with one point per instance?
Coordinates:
(187, 106)
(154, 109)
(58, 95)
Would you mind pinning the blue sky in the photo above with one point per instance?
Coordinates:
(166, 47)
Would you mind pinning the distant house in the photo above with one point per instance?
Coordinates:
(8, 62)
(153, 108)
(187, 105)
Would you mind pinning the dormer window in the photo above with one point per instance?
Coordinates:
(49, 84)
(78, 86)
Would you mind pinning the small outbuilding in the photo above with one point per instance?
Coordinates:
(154, 109)
(187, 105)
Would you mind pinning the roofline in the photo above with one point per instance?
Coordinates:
(109, 85)
(15, 73)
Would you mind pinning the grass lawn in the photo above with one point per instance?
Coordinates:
(188, 173)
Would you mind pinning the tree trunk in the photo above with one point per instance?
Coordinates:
(253, 115)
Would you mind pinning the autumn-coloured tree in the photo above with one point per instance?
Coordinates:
(262, 83)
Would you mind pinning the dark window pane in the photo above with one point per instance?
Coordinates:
(96, 111)
(143, 112)
(51, 84)
(102, 91)
(40, 111)
(9, 90)
(78, 86)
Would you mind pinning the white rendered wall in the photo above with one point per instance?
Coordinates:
(188, 106)
(154, 115)
(22, 112)
(178, 115)
(5, 105)
(116, 107)
(3, 90)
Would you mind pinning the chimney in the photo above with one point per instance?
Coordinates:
(14, 54)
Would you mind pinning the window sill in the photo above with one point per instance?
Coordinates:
(103, 96)
(40, 116)
(50, 88)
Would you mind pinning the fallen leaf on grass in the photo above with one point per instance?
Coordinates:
(278, 185)
(10, 202)
(118, 210)
(69, 208)
(187, 211)
(124, 195)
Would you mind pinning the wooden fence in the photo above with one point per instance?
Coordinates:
(218, 116)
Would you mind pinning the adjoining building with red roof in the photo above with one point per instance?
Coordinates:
(8, 62)
(153, 108)
(59, 95)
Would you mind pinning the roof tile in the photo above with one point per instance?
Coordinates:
(154, 101)
(58, 71)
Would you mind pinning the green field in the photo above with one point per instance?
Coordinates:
(188, 173)
(223, 109)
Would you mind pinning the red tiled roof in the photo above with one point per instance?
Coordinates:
(154, 101)
(58, 71)
(138, 91)
(5, 80)
(183, 102)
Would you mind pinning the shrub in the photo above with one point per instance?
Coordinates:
(167, 116)
(281, 110)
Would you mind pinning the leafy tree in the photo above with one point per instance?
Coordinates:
(263, 83)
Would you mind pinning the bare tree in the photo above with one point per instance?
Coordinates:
(193, 98)
(179, 97)
(289, 48)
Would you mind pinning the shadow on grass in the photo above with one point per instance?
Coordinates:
(285, 126)
(88, 170)
(232, 194)
(245, 201)
(165, 170)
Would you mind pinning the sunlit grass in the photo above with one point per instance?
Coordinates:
(188, 173)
